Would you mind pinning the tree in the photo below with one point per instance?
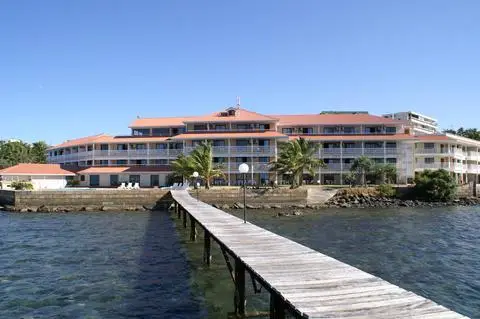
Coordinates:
(362, 166)
(199, 160)
(472, 133)
(296, 158)
(38, 152)
(202, 160)
(14, 152)
(385, 173)
(437, 185)
(349, 178)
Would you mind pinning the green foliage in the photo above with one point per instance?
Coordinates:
(472, 133)
(361, 167)
(73, 183)
(296, 158)
(386, 190)
(21, 186)
(350, 178)
(199, 160)
(385, 173)
(14, 152)
(435, 185)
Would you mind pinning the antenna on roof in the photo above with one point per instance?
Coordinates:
(238, 101)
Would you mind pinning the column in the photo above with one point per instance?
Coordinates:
(251, 158)
(229, 160)
(341, 163)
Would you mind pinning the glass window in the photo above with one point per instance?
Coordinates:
(141, 132)
(307, 130)
(82, 178)
(429, 160)
(159, 161)
(134, 179)
(391, 129)
(391, 161)
(429, 145)
(160, 132)
(348, 130)
(199, 127)
(264, 159)
(328, 130)
(94, 180)
(287, 130)
(104, 147)
(154, 180)
(114, 180)
(121, 162)
(243, 126)
(391, 145)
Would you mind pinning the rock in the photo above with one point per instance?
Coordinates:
(299, 206)
(225, 206)
(216, 206)
(265, 206)
(280, 214)
(297, 213)
(345, 205)
(403, 204)
(148, 207)
(43, 209)
(276, 206)
(249, 206)
(238, 205)
(106, 208)
(456, 201)
(24, 210)
(139, 209)
(91, 208)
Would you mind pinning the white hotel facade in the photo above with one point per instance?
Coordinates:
(408, 140)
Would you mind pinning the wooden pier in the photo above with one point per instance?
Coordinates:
(302, 282)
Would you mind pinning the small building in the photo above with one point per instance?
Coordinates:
(42, 176)
(115, 175)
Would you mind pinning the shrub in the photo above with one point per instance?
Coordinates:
(21, 186)
(386, 190)
(435, 185)
(73, 183)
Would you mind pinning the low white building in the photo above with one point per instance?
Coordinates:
(114, 176)
(42, 176)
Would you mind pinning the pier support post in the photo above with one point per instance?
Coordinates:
(193, 230)
(184, 218)
(177, 210)
(277, 307)
(207, 255)
(240, 285)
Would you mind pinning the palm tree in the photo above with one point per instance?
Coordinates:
(386, 173)
(296, 158)
(183, 167)
(362, 166)
(38, 152)
(202, 160)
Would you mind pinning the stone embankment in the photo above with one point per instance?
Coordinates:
(370, 198)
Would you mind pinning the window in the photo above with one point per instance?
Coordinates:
(160, 146)
(141, 132)
(178, 130)
(102, 162)
(348, 130)
(114, 180)
(287, 130)
(154, 180)
(429, 160)
(391, 130)
(429, 145)
(307, 130)
(121, 162)
(263, 142)
(199, 127)
(242, 142)
(160, 132)
(94, 180)
(134, 179)
(159, 162)
(328, 130)
(264, 159)
(82, 178)
(264, 126)
(89, 148)
(391, 161)
(220, 127)
(219, 143)
(104, 147)
(243, 126)
(391, 145)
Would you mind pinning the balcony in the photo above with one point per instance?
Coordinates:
(473, 168)
(374, 151)
(432, 166)
(255, 167)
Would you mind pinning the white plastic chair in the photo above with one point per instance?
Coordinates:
(122, 186)
(129, 186)
(136, 186)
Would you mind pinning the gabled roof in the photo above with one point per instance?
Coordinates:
(333, 119)
(448, 138)
(159, 122)
(83, 140)
(241, 115)
(36, 169)
(224, 135)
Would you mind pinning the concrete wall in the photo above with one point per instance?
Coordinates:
(7, 197)
(254, 196)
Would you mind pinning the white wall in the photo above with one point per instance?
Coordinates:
(123, 178)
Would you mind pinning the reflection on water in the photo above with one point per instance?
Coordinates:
(93, 265)
(432, 252)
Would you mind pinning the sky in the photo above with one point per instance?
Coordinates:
(77, 68)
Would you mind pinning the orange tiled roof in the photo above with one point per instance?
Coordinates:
(241, 115)
(121, 169)
(433, 137)
(333, 119)
(84, 140)
(382, 137)
(159, 122)
(222, 135)
(36, 169)
(138, 139)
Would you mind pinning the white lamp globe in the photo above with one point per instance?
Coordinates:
(243, 168)
(195, 174)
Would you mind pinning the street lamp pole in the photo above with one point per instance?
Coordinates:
(243, 169)
(195, 175)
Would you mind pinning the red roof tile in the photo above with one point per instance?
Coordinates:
(123, 169)
(83, 141)
(333, 119)
(159, 122)
(223, 135)
(382, 137)
(241, 115)
(36, 169)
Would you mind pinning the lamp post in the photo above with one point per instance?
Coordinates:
(243, 169)
(197, 185)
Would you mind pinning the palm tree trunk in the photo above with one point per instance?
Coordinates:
(207, 183)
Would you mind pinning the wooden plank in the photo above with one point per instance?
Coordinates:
(303, 280)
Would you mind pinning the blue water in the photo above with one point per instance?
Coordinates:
(94, 265)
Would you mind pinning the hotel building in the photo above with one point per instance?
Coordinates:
(242, 136)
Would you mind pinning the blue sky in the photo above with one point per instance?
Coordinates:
(75, 68)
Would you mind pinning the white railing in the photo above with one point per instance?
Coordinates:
(374, 151)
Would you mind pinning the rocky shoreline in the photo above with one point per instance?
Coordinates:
(62, 209)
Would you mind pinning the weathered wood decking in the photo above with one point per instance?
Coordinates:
(307, 283)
